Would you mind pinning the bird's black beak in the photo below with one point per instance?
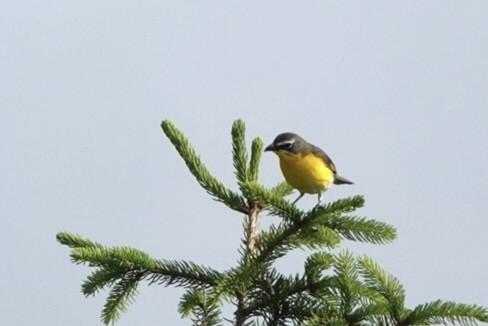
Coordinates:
(270, 148)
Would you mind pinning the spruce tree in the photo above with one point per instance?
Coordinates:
(334, 288)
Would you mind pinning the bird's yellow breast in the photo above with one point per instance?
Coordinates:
(307, 173)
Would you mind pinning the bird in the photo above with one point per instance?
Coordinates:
(305, 166)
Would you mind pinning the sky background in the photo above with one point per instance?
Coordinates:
(395, 92)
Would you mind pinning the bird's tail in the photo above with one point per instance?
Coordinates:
(338, 180)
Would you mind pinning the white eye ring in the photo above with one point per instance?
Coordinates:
(287, 145)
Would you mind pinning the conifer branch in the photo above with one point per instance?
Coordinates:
(315, 265)
(122, 268)
(214, 187)
(346, 280)
(353, 228)
(344, 205)
(237, 280)
(277, 240)
(257, 147)
(384, 284)
(319, 227)
(118, 257)
(183, 273)
(273, 295)
(120, 296)
(202, 306)
(239, 151)
(273, 201)
(100, 279)
(374, 312)
(446, 312)
(74, 240)
(347, 297)
(358, 228)
(282, 189)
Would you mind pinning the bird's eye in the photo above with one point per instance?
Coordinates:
(287, 145)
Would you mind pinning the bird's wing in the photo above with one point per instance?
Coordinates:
(324, 157)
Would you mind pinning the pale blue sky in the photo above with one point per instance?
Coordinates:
(395, 92)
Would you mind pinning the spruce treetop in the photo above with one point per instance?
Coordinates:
(335, 287)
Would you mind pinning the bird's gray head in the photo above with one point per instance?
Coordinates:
(287, 141)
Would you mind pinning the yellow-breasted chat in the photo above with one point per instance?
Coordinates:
(305, 166)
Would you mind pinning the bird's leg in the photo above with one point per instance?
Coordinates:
(319, 198)
(301, 195)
